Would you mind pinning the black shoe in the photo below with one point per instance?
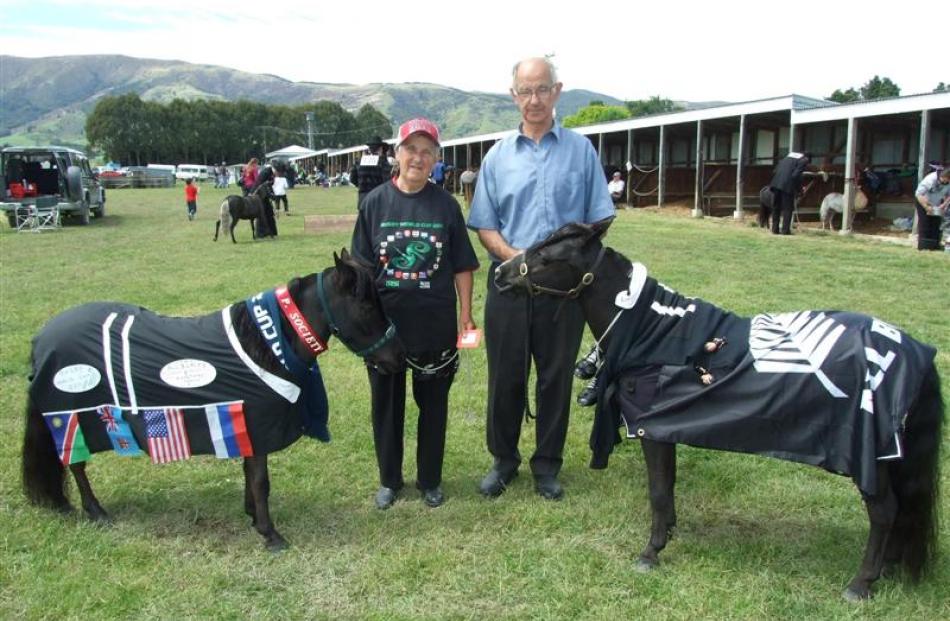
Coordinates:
(433, 497)
(385, 498)
(548, 487)
(495, 482)
(588, 396)
(586, 367)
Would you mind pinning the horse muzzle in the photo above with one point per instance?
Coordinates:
(510, 274)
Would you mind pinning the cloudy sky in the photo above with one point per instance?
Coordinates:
(685, 50)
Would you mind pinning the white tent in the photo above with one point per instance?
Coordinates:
(292, 152)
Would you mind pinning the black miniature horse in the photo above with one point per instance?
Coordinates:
(674, 379)
(251, 370)
(235, 208)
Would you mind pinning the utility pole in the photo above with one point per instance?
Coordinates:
(310, 118)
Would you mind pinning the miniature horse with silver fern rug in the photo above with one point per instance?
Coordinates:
(240, 382)
(842, 391)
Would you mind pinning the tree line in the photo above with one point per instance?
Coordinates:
(126, 129)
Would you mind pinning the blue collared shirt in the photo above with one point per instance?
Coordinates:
(528, 190)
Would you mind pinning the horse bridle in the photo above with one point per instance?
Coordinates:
(535, 289)
(389, 335)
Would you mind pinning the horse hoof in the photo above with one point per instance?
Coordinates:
(644, 566)
(855, 596)
(277, 545)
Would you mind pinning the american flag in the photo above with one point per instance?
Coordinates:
(167, 440)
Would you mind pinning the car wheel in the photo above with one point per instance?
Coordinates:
(100, 211)
(84, 214)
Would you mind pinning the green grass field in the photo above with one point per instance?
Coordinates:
(757, 538)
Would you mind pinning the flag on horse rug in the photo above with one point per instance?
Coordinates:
(167, 440)
(119, 431)
(797, 386)
(98, 367)
(67, 434)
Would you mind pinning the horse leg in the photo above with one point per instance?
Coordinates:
(90, 503)
(253, 222)
(882, 510)
(257, 487)
(234, 223)
(660, 458)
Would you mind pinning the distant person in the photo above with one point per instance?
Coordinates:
(372, 170)
(930, 202)
(615, 187)
(191, 198)
(786, 183)
(280, 191)
(267, 223)
(438, 173)
(249, 176)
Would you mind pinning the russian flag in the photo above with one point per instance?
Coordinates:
(228, 430)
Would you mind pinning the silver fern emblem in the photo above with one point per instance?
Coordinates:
(795, 343)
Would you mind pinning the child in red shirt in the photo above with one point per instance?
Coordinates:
(191, 198)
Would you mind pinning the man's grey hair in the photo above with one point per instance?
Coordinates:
(552, 70)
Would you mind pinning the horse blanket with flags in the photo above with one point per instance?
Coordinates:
(112, 376)
(826, 388)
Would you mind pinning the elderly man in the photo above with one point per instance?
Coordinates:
(530, 184)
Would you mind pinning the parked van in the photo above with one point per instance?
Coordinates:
(192, 171)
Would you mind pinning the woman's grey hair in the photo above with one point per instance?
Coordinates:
(552, 70)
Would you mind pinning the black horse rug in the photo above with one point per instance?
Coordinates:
(120, 377)
(828, 388)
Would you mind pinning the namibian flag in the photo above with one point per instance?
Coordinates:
(70, 443)
(228, 430)
(120, 434)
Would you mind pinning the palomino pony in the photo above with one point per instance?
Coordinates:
(240, 382)
(235, 208)
(841, 391)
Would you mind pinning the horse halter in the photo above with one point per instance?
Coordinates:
(389, 335)
(575, 291)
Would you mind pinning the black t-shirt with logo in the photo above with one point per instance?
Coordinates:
(418, 243)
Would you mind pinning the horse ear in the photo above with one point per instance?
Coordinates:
(346, 273)
(600, 227)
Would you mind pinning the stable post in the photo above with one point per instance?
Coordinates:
(849, 158)
(698, 183)
(740, 172)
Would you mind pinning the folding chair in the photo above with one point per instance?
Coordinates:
(46, 212)
(24, 217)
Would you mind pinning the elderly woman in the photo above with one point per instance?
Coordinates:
(414, 233)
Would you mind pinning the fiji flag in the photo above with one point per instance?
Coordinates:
(120, 434)
(228, 430)
(67, 434)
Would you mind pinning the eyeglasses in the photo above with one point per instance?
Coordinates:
(543, 92)
(415, 151)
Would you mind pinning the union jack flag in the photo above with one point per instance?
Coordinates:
(167, 440)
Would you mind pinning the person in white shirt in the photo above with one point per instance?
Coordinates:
(280, 191)
(932, 196)
(615, 187)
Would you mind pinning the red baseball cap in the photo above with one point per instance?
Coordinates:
(418, 126)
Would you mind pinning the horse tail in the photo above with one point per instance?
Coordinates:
(224, 218)
(44, 480)
(916, 482)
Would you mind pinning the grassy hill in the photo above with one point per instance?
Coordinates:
(47, 99)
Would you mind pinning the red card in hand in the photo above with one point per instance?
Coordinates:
(469, 339)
